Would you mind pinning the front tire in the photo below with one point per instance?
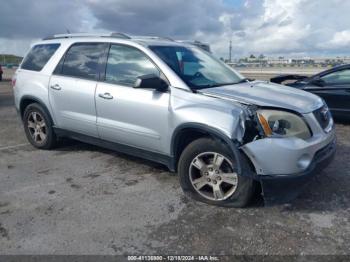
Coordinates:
(208, 173)
(38, 127)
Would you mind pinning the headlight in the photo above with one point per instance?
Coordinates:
(282, 123)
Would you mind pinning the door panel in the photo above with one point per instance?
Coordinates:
(335, 91)
(337, 98)
(126, 115)
(73, 85)
(135, 117)
(73, 104)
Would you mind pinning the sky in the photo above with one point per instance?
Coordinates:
(270, 27)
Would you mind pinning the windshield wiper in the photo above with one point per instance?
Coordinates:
(232, 83)
(243, 80)
(223, 84)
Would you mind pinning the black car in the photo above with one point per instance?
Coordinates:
(332, 85)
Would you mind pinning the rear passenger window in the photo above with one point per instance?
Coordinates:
(82, 60)
(126, 63)
(38, 56)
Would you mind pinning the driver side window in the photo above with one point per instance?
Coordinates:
(125, 64)
(337, 78)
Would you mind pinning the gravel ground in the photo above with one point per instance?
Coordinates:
(80, 199)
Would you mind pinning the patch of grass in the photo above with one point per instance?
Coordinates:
(8, 60)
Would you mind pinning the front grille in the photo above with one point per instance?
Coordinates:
(323, 116)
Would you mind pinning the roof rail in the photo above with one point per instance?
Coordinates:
(120, 35)
(151, 37)
(190, 42)
(123, 36)
(197, 43)
(114, 34)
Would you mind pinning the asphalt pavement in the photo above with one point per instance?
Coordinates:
(81, 199)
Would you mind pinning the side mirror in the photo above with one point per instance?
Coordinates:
(317, 82)
(151, 82)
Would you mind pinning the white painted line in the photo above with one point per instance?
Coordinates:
(14, 146)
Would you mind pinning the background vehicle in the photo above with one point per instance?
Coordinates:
(332, 85)
(175, 104)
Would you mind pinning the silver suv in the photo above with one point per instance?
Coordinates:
(174, 103)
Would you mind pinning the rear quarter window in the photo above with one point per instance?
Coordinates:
(38, 56)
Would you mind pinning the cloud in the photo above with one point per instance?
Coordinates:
(180, 18)
(287, 27)
(339, 40)
(272, 27)
(20, 19)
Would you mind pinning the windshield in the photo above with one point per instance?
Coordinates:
(197, 68)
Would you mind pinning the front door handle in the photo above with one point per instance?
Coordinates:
(56, 87)
(106, 96)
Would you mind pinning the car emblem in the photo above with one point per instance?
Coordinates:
(324, 113)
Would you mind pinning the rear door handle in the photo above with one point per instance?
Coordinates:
(56, 87)
(106, 96)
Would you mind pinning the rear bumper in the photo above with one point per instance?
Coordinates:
(278, 189)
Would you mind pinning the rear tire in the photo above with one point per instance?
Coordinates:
(207, 171)
(38, 127)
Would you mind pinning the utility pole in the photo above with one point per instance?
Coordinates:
(230, 52)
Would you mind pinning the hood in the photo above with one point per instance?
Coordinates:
(267, 94)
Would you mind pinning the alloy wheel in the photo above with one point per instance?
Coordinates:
(213, 176)
(37, 127)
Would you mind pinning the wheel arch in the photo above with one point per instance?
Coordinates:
(27, 100)
(184, 134)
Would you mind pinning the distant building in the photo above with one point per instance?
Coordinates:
(263, 61)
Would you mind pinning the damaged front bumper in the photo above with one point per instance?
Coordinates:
(279, 189)
(283, 166)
